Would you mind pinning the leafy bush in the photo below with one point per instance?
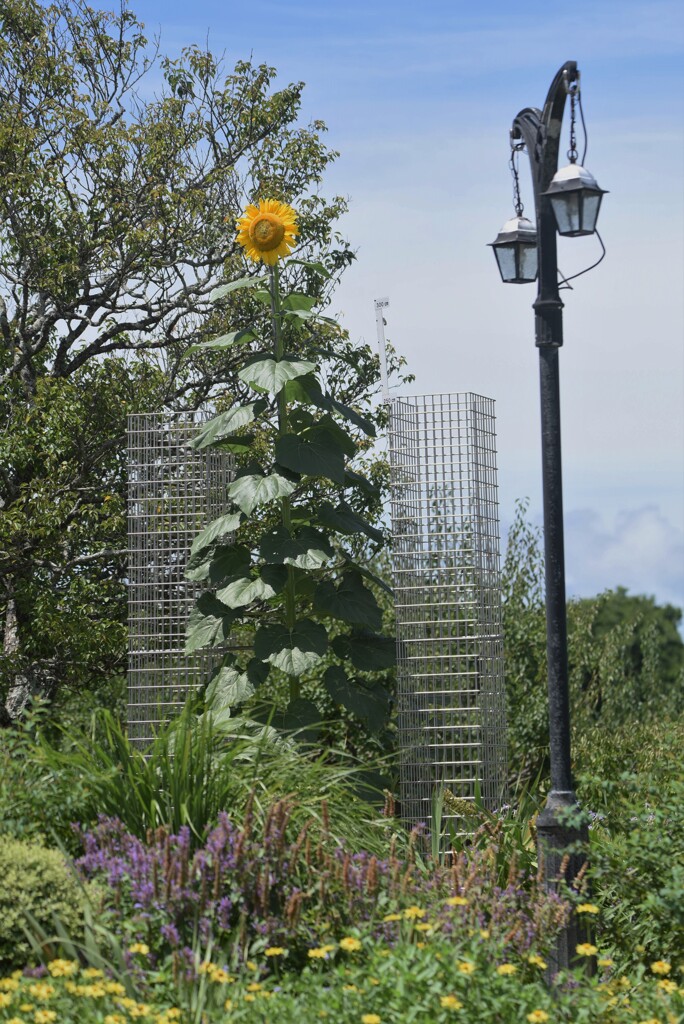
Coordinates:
(37, 800)
(35, 881)
(637, 838)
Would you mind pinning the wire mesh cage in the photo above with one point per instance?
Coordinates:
(446, 567)
(174, 490)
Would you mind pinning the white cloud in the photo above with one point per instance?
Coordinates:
(641, 550)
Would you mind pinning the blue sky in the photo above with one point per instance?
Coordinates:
(418, 99)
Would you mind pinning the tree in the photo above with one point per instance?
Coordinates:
(625, 655)
(116, 223)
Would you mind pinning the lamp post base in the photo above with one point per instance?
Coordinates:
(562, 839)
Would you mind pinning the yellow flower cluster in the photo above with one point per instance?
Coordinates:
(215, 973)
(321, 953)
(63, 968)
(92, 984)
(506, 969)
(457, 901)
(466, 967)
(451, 1003)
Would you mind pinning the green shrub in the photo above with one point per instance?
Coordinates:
(635, 794)
(36, 881)
(36, 800)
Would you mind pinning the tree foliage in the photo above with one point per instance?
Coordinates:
(625, 655)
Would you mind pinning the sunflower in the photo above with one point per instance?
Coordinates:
(268, 231)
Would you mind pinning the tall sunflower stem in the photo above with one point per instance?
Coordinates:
(283, 426)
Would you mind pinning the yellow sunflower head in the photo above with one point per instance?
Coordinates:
(268, 230)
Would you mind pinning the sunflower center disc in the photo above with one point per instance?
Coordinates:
(267, 232)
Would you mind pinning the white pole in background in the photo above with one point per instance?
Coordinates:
(380, 321)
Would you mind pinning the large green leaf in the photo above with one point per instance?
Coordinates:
(233, 286)
(221, 562)
(354, 479)
(369, 575)
(228, 687)
(307, 390)
(252, 490)
(366, 652)
(346, 442)
(297, 300)
(308, 314)
(243, 591)
(315, 453)
(350, 601)
(237, 443)
(317, 268)
(305, 549)
(353, 416)
(226, 423)
(345, 520)
(223, 341)
(208, 625)
(303, 718)
(368, 701)
(294, 651)
(271, 374)
(214, 531)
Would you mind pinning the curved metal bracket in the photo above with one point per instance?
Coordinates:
(540, 130)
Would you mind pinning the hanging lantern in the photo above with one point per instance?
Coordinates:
(575, 200)
(515, 248)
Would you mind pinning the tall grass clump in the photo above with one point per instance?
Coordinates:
(195, 768)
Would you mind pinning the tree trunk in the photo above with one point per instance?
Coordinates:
(35, 680)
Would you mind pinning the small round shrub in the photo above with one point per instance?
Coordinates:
(36, 880)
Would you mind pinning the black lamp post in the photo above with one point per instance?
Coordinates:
(566, 201)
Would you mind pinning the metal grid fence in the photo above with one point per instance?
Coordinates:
(174, 490)
(445, 540)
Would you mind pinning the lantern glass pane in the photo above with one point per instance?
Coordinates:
(590, 214)
(528, 262)
(505, 257)
(566, 208)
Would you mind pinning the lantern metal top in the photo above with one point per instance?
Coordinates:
(571, 179)
(517, 229)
